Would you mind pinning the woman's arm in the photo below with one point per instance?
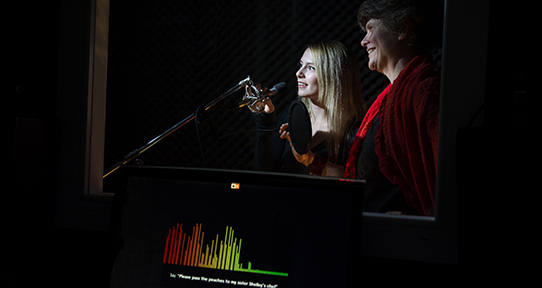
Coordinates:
(316, 165)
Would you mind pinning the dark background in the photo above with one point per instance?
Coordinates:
(45, 84)
(168, 57)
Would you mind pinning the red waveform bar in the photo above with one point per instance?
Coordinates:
(188, 251)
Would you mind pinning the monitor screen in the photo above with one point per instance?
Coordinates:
(215, 228)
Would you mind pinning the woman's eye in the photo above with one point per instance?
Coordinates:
(312, 68)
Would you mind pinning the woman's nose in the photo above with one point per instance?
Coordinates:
(364, 41)
(299, 73)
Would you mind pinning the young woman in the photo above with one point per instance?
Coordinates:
(330, 86)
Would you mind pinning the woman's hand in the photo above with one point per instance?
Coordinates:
(305, 159)
(265, 106)
(284, 134)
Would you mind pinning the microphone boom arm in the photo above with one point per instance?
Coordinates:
(134, 154)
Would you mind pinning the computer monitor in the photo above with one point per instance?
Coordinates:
(218, 228)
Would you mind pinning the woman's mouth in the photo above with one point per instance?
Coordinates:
(370, 50)
(301, 85)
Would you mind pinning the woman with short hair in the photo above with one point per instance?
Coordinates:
(396, 146)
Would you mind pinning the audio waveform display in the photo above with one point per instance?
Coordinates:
(223, 255)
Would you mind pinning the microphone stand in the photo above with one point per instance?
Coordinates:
(134, 154)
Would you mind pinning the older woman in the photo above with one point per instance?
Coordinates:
(329, 84)
(395, 149)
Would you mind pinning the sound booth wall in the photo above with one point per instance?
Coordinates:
(168, 57)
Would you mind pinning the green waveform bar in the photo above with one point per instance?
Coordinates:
(223, 255)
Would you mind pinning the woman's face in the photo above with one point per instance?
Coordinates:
(380, 44)
(307, 84)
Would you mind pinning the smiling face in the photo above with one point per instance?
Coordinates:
(307, 82)
(380, 44)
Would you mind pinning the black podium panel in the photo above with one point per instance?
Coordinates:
(217, 228)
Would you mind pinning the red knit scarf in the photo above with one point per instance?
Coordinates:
(407, 137)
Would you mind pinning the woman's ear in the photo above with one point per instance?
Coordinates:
(402, 35)
(403, 32)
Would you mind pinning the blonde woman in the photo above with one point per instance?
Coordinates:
(330, 86)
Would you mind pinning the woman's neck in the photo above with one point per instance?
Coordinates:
(318, 110)
(402, 54)
(318, 119)
(396, 67)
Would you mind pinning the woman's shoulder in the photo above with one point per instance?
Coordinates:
(423, 81)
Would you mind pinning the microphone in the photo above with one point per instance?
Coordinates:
(251, 99)
(278, 88)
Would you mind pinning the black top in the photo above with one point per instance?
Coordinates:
(274, 154)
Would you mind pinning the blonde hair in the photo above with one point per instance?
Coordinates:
(339, 89)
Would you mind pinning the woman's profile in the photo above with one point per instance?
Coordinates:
(329, 84)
